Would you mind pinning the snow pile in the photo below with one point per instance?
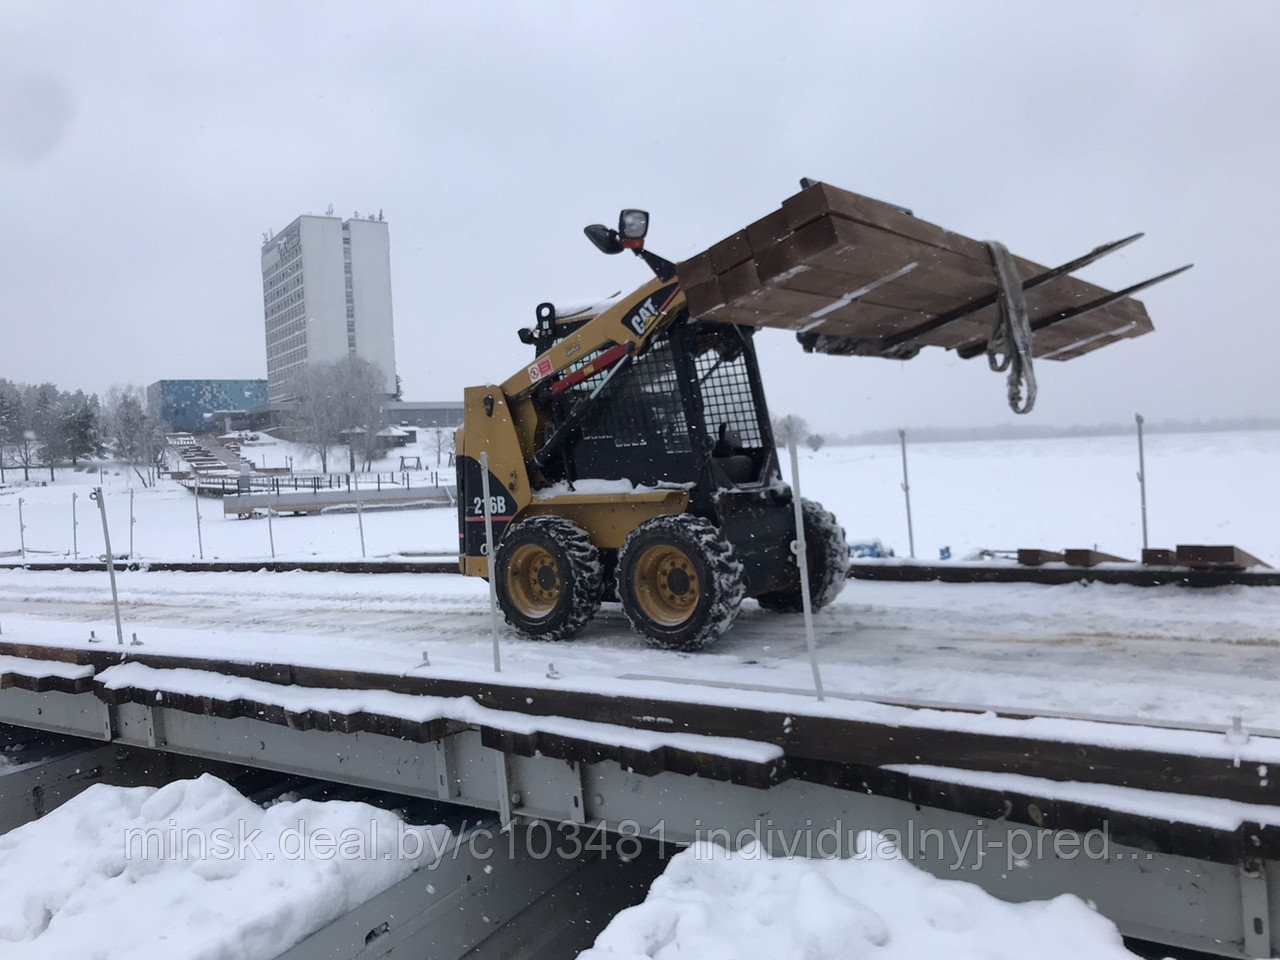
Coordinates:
(714, 905)
(69, 887)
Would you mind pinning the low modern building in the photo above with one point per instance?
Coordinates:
(189, 404)
(423, 415)
(426, 414)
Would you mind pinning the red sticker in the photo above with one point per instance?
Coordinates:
(539, 370)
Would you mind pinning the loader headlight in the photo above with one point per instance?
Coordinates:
(633, 224)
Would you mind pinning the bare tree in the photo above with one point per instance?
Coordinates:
(443, 439)
(132, 435)
(815, 441)
(790, 427)
(339, 401)
(314, 419)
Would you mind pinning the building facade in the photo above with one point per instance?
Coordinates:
(326, 294)
(189, 404)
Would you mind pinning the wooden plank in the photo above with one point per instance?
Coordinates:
(704, 299)
(695, 270)
(822, 198)
(1089, 558)
(1158, 557)
(730, 251)
(767, 231)
(1036, 558)
(1223, 556)
(738, 282)
(850, 256)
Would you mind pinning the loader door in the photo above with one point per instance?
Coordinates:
(730, 404)
(640, 429)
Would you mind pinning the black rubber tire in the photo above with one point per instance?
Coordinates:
(575, 563)
(828, 555)
(710, 560)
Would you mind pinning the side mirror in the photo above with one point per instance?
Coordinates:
(606, 240)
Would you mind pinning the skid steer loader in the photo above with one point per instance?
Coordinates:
(634, 459)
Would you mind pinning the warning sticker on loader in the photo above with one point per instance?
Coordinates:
(539, 370)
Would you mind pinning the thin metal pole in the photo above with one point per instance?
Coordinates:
(906, 492)
(111, 561)
(271, 534)
(22, 531)
(802, 558)
(1142, 478)
(488, 549)
(75, 539)
(131, 523)
(360, 520)
(199, 535)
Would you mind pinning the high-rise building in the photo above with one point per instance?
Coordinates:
(326, 294)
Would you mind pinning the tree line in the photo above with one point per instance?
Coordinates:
(43, 427)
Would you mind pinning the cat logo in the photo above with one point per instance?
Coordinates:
(639, 321)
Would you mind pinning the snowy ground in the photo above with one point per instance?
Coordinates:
(1202, 488)
(714, 905)
(179, 872)
(1163, 653)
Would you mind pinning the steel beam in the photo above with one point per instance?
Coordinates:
(1212, 900)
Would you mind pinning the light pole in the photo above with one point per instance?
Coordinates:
(1142, 478)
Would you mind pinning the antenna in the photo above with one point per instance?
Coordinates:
(328, 211)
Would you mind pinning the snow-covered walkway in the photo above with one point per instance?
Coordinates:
(1160, 653)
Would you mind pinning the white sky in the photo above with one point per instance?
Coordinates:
(144, 148)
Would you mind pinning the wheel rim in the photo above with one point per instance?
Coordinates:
(666, 582)
(533, 580)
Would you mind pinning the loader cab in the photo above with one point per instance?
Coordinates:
(689, 411)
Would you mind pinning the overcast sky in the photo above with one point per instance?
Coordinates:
(144, 149)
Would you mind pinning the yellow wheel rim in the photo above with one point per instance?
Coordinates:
(666, 585)
(533, 581)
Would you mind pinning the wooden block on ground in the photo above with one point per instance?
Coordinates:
(1158, 557)
(1223, 557)
(1090, 558)
(1034, 558)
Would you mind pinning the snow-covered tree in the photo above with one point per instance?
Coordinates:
(339, 402)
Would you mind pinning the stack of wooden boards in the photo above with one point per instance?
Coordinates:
(853, 275)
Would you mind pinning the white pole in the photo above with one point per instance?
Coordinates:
(22, 531)
(906, 492)
(488, 549)
(75, 540)
(802, 558)
(1142, 478)
(360, 520)
(199, 535)
(111, 561)
(271, 534)
(131, 523)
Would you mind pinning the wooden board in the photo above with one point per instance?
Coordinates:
(854, 275)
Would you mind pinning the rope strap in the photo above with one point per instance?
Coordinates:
(1010, 344)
